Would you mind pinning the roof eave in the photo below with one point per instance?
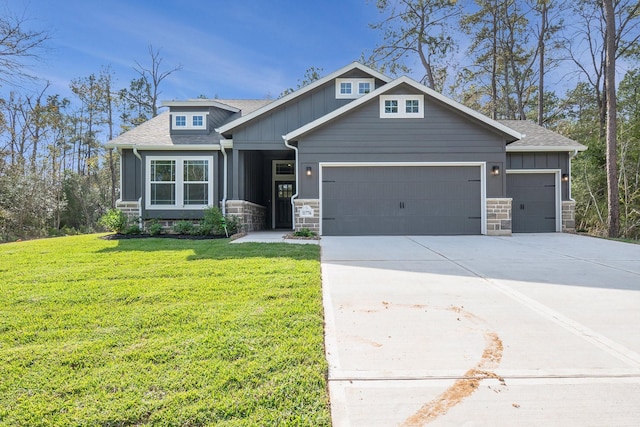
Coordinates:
(197, 103)
(539, 148)
(354, 65)
(148, 147)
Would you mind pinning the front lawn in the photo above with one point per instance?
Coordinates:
(160, 332)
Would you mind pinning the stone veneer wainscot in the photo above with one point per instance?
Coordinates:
(499, 217)
(312, 223)
(252, 216)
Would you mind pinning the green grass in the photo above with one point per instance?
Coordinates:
(160, 332)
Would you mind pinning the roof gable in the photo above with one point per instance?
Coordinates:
(511, 134)
(355, 65)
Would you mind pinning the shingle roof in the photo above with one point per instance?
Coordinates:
(538, 138)
(155, 132)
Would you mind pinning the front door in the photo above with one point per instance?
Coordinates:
(283, 212)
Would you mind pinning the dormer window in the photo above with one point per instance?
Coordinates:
(352, 88)
(189, 121)
(402, 106)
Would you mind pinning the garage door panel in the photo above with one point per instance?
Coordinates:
(393, 200)
(534, 202)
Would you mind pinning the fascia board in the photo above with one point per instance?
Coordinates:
(197, 103)
(302, 91)
(456, 105)
(539, 148)
(186, 147)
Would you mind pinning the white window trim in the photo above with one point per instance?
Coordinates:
(402, 112)
(189, 120)
(355, 87)
(179, 182)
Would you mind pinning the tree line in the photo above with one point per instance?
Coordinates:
(56, 177)
(549, 61)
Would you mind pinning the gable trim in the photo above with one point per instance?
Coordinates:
(380, 91)
(354, 65)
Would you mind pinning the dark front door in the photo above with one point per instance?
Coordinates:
(284, 190)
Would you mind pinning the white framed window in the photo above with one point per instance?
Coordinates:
(197, 121)
(390, 106)
(179, 182)
(189, 121)
(352, 88)
(364, 88)
(181, 121)
(402, 106)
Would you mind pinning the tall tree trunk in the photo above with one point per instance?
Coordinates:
(543, 33)
(613, 217)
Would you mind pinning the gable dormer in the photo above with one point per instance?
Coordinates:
(197, 116)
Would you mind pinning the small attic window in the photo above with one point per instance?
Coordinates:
(402, 106)
(189, 121)
(352, 88)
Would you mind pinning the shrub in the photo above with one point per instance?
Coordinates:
(215, 223)
(133, 229)
(114, 220)
(154, 227)
(305, 232)
(183, 227)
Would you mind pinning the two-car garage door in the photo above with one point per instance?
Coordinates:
(401, 200)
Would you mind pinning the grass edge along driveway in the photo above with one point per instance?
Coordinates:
(161, 332)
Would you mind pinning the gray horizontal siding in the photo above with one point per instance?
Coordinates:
(362, 136)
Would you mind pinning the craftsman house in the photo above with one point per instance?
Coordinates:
(354, 153)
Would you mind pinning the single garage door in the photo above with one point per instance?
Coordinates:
(401, 200)
(534, 202)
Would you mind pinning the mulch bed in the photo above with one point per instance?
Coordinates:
(117, 236)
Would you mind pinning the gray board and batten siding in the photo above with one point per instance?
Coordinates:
(265, 132)
(552, 160)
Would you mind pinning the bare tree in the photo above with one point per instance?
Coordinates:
(153, 76)
(18, 46)
(416, 27)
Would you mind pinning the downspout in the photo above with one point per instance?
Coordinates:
(293, 205)
(571, 156)
(224, 179)
(135, 153)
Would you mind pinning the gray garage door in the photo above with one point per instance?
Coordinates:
(534, 202)
(393, 200)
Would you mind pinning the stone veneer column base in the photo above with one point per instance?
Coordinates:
(131, 209)
(312, 222)
(569, 216)
(252, 216)
(499, 217)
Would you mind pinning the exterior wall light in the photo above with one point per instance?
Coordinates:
(308, 170)
(495, 171)
(565, 177)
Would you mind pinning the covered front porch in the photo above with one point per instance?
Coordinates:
(261, 184)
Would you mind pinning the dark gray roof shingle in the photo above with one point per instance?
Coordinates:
(536, 136)
(155, 132)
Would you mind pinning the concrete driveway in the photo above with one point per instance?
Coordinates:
(527, 330)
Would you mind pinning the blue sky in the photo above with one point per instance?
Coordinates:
(228, 48)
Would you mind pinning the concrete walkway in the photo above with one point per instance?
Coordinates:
(273, 237)
(527, 330)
